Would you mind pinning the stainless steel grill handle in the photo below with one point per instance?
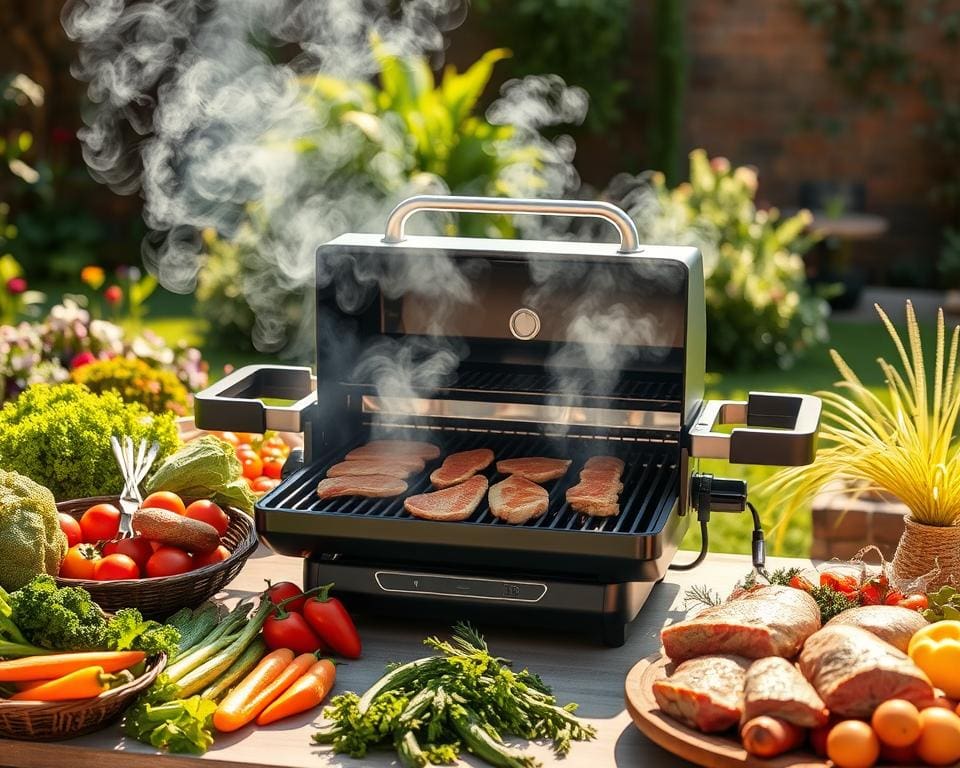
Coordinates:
(629, 239)
(234, 403)
(780, 430)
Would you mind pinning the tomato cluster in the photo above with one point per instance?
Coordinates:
(875, 590)
(262, 457)
(96, 553)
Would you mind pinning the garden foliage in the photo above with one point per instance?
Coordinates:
(136, 381)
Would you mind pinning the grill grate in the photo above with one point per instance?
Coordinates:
(651, 483)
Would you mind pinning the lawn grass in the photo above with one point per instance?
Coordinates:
(860, 344)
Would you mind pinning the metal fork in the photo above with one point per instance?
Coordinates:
(133, 471)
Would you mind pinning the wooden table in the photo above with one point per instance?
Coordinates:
(577, 669)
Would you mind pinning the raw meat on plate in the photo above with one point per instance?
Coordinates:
(769, 620)
(458, 467)
(539, 469)
(892, 623)
(775, 687)
(517, 500)
(705, 693)
(450, 504)
(372, 486)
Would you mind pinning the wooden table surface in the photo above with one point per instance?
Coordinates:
(577, 669)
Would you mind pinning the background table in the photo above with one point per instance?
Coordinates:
(577, 669)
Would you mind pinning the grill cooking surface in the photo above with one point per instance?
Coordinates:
(650, 481)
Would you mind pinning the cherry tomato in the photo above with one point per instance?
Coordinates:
(137, 549)
(282, 590)
(228, 437)
(243, 448)
(217, 555)
(168, 561)
(246, 437)
(799, 582)
(870, 594)
(333, 625)
(114, 567)
(71, 529)
(209, 513)
(273, 467)
(916, 602)
(846, 585)
(100, 523)
(252, 465)
(165, 500)
(894, 597)
(289, 630)
(275, 441)
(79, 562)
(263, 484)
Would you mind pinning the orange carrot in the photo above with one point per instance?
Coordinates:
(81, 684)
(26, 685)
(306, 693)
(770, 736)
(272, 676)
(60, 664)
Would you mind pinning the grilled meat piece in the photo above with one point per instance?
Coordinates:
(517, 500)
(536, 468)
(854, 671)
(379, 448)
(605, 463)
(892, 623)
(457, 467)
(705, 693)
(373, 486)
(450, 504)
(596, 496)
(394, 468)
(775, 687)
(766, 621)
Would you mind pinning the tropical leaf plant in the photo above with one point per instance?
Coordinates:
(904, 443)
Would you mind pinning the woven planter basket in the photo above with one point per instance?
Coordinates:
(54, 721)
(162, 596)
(928, 552)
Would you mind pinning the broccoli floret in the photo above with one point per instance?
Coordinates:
(129, 631)
(64, 619)
(31, 541)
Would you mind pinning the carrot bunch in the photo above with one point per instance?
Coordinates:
(69, 676)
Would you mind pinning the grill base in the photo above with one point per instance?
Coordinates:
(601, 611)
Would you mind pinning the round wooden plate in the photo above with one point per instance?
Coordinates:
(700, 748)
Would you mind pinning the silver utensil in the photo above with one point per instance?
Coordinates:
(134, 467)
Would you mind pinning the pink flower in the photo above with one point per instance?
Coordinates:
(16, 285)
(113, 294)
(81, 359)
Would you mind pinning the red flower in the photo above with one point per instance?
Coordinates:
(81, 359)
(113, 294)
(16, 285)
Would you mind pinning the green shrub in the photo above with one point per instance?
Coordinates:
(59, 436)
(135, 381)
(760, 310)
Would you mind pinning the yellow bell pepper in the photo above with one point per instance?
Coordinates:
(936, 650)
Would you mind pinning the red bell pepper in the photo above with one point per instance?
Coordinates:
(329, 619)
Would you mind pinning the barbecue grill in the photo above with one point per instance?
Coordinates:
(529, 348)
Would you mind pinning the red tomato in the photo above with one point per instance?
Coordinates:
(275, 441)
(114, 567)
(894, 597)
(252, 465)
(168, 561)
(289, 630)
(228, 437)
(100, 523)
(282, 590)
(273, 467)
(137, 549)
(799, 582)
(870, 594)
(165, 500)
(218, 555)
(71, 529)
(846, 585)
(916, 602)
(333, 625)
(263, 484)
(79, 562)
(246, 437)
(243, 448)
(271, 452)
(209, 513)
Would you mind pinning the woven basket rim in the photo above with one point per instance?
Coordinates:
(243, 550)
(155, 665)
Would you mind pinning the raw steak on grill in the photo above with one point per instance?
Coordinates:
(374, 486)
(385, 466)
(892, 623)
(705, 693)
(376, 448)
(776, 687)
(766, 621)
(535, 468)
(451, 504)
(605, 462)
(517, 500)
(457, 467)
(854, 671)
(596, 496)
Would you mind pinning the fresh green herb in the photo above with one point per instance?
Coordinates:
(194, 626)
(943, 604)
(428, 709)
(701, 594)
(831, 602)
(12, 642)
(61, 619)
(129, 631)
(164, 721)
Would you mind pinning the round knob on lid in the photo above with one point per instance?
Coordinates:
(524, 324)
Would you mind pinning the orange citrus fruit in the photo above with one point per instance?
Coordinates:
(939, 742)
(896, 723)
(853, 744)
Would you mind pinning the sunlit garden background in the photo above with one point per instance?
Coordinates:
(811, 149)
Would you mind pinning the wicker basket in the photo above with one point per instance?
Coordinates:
(54, 721)
(162, 596)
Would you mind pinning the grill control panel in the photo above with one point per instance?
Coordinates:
(441, 585)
